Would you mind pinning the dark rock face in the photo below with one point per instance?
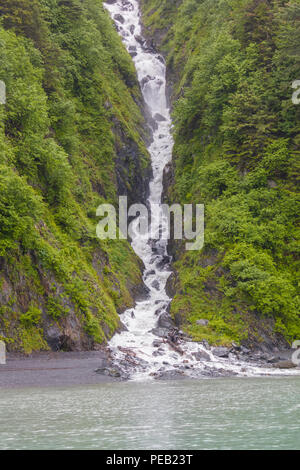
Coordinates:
(159, 117)
(160, 332)
(109, 369)
(171, 285)
(165, 321)
(155, 285)
(221, 352)
(132, 178)
(202, 356)
(54, 337)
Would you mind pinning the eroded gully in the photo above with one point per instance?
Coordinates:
(151, 347)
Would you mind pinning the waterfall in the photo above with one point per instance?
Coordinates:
(146, 350)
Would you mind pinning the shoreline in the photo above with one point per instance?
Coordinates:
(60, 369)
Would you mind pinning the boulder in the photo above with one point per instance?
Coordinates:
(202, 356)
(160, 332)
(159, 117)
(155, 285)
(165, 321)
(221, 352)
(119, 18)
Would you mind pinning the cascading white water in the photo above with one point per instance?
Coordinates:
(138, 348)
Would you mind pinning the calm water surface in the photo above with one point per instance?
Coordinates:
(204, 414)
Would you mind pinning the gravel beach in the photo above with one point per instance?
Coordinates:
(52, 370)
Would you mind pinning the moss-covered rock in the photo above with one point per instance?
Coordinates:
(72, 136)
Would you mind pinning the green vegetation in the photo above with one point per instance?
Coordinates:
(72, 105)
(237, 148)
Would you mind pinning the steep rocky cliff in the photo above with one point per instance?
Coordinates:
(72, 136)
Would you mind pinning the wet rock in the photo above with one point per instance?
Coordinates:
(160, 332)
(103, 364)
(202, 356)
(54, 337)
(132, 28)
(159, 117)
(150, 46)
(119, 18)
(146, 80)
(150, 273)
(164, 263)
(141, 362)
(127, 6)
(157, 248)
(274, 360)
(155, 285)
(221, 352)
(157, 353)
(245, 350)
(205, 344)
(139, 39)
(171, 290)
(142, 293)
(159, 311)
(202, 322)
(157, 343)
(160, 58)
(165, 321)
(172, 343)
(171, 375)
(285, 365)
(122, 327)
(114, 372)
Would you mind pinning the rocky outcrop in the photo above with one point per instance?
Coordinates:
(133, 170)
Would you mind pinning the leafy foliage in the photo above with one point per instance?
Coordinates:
(237, 148)
(72, 102)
